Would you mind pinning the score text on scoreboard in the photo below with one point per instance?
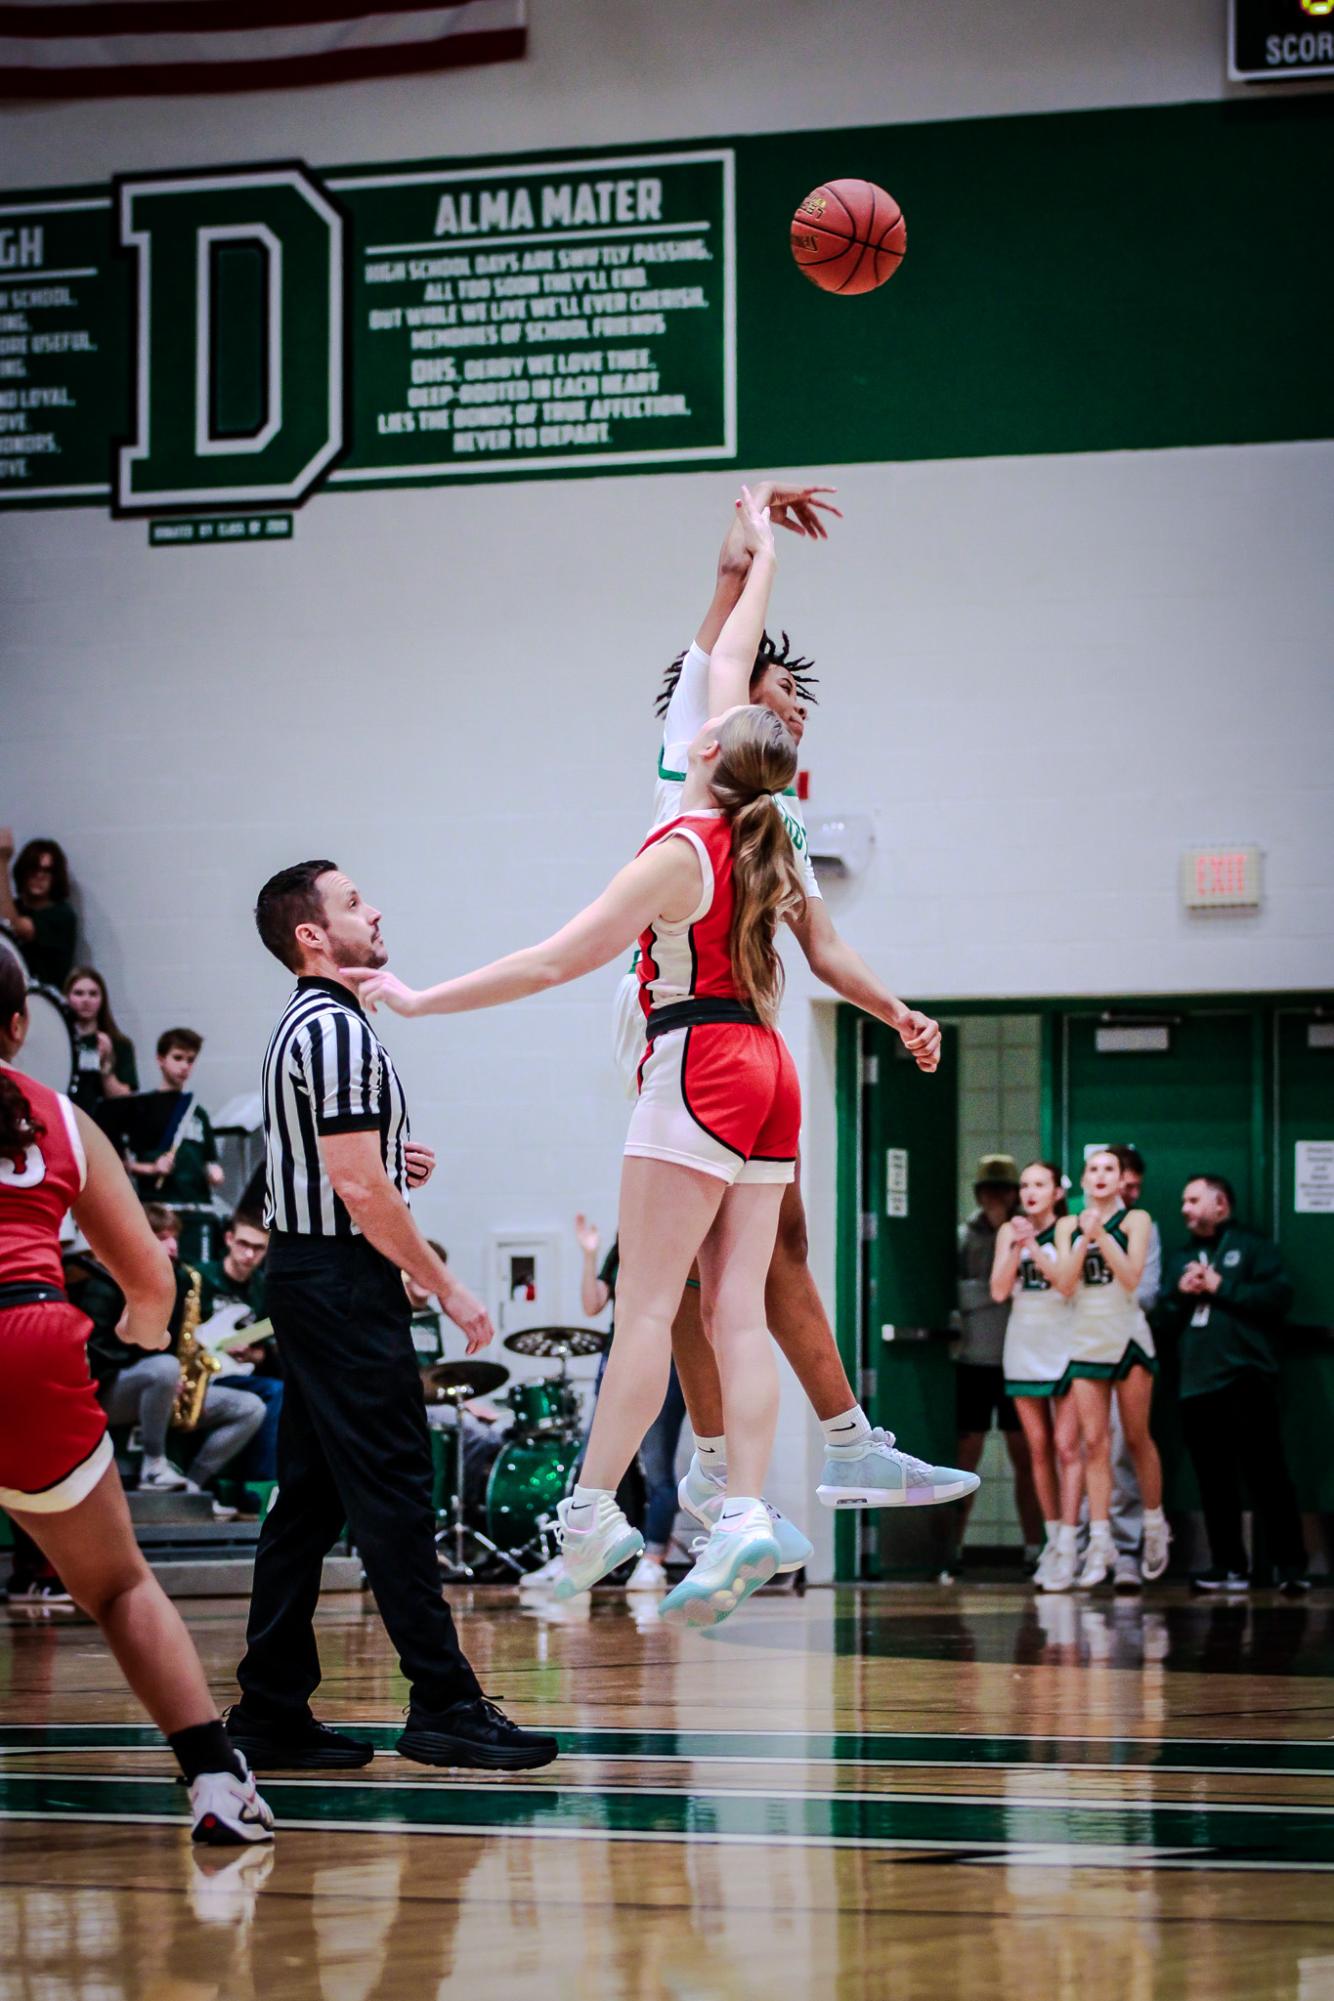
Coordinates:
(1220, 879)
(1270, 41)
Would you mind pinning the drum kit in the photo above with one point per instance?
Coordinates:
(535, 1466)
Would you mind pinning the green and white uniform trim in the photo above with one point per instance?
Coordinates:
(1109, 1334)
(1038, 1332)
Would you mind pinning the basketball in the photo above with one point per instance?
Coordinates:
(849, 236)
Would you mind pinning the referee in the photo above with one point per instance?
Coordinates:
(352, 1443)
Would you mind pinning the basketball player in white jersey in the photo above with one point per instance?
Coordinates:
(863, 1466)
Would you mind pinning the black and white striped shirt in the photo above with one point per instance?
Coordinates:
(325, 1071)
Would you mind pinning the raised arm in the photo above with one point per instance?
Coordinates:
(795, 508)
(664, 881)
(835, 962)
(733, 657)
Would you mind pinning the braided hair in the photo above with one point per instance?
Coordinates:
(768, 655)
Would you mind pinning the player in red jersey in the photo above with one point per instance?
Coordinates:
(58, 1479)
(713, 1136)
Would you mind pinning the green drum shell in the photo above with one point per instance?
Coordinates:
(545, 1404)
(527, 1479)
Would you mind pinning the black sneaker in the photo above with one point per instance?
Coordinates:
(308, 1746)
(1220, 1580)
(1294, 1583)
(477, 1734)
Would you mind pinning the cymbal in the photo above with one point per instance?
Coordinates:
(460, 1382)
(557, 1343)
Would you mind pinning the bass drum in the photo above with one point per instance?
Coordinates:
(531, 1475)
(48, 1053)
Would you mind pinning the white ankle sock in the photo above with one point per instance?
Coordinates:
(1100, 1531)
(584, 1504)
(1154, 1518)
(1053, 1531)
(849, 1428)
(712, 1453)
(735, 1506)
(1067, 1537)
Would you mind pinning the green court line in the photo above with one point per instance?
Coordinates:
(1151, 1834)
(1313, 1757)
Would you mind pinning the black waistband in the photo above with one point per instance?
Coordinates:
(691, 1013)
(33, 1294)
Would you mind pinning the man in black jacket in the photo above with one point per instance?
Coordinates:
(1225, 1296)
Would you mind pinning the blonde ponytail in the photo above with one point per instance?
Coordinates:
(756, 758)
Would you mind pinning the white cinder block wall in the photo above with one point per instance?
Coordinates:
(1048, 674)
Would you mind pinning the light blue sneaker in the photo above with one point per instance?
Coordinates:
(733, 1561)
(702, 1495)
(874, 1473)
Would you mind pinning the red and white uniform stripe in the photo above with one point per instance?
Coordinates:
(721, 1097)
(54, 1445)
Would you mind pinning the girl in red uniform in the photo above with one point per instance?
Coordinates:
(58, 1479)
(713, 1136)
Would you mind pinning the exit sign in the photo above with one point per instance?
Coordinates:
(1269, 40)
(1220, 879)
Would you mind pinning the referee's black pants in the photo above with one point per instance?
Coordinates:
(1233, 1430)
(352, 1446)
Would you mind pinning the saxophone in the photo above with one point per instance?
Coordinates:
(197, 1365)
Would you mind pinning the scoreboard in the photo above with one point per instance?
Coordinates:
(1270, 41)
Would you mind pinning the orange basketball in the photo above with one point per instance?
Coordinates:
(849, 236)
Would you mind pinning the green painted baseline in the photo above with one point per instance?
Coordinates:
(1163, 1835)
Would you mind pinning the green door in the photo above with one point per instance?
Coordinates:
(910, 1125)
(1304, 1226)
(1304, 1145)
(1190, 1107)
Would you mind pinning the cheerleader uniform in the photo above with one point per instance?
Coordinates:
(1037, 1334)
(718, 1091)
(1109, 1334)
(54, 1444)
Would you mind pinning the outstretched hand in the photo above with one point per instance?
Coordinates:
(374, 984)
(796, 508)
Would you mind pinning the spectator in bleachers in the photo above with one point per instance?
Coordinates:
(187, 1170)
(104, 1060)
(37, 912)
(1225, 1297)
(237, 1279)
(143, 1392)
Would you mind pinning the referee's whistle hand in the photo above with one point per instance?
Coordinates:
(420, 1163)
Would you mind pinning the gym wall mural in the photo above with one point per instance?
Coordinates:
(245, 337)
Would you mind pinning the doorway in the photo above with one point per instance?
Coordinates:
(1239, 1085)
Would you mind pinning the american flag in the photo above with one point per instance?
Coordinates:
(126, 48)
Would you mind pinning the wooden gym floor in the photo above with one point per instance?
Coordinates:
(908, 1792)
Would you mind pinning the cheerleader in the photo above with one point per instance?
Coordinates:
(1037, 1350)
(1100, 1264)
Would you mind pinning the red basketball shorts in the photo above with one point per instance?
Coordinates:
(722, 1097)
(54, 1443)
